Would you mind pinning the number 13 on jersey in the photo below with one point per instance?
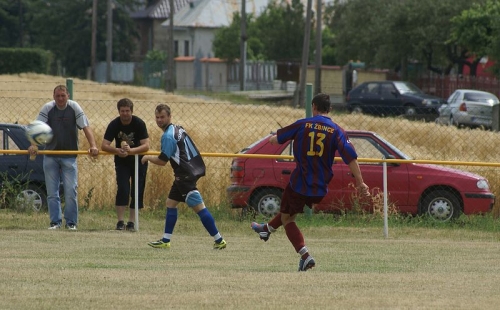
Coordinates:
(316, 138)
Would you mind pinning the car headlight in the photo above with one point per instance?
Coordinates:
(482, 184)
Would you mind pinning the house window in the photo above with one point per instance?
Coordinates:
(186, 48)
(176, 48)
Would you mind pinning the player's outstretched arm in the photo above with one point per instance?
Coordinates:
(154, 159)
(360, 184)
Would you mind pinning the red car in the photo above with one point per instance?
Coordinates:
(441, 192)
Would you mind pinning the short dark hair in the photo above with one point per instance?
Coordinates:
(322, 102)
(61, 87)
(125, 102)
(163, 107)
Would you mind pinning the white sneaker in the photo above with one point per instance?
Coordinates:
(54, 226)
(71, 227)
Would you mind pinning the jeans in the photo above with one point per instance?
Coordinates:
(65, 169)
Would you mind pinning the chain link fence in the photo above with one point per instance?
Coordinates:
(226, 126)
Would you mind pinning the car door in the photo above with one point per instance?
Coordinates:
(370, 97)
(12, 166)
(283, 167)
(390, 100)
(341, 191)
(446, 111)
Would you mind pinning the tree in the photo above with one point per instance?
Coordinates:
(282, 30)
(328, 56)
(393, 33)
(276, 34)
(12, 23)
(427, 30)
(476, 31)
(64, 27)
(359, 27)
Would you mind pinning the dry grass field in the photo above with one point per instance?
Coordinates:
(99, 268)
(219, 126)
(216, 126)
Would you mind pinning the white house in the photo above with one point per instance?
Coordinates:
(195, 24)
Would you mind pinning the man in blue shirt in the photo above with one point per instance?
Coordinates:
(315, 141)
(187, 163)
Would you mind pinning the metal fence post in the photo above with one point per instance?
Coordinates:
(69, 85)
(308, 105)
(136, 191)
(496, 118)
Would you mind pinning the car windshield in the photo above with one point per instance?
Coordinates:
(243, 151)
(395, 149)
(480, 97)
(405, 88)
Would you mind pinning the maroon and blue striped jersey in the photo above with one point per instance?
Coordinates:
(315, 140)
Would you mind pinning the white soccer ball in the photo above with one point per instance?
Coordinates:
(39, 133)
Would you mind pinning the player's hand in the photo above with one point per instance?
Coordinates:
(363, 190)
(93, 151)
(144, 159)
(273, 140)
(33, 150)
(122, 153)
(125, 146)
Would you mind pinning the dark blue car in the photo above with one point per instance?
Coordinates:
(392, 98)
(22, 180)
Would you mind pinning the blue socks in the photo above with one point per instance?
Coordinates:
(205, 217)
(170, 220)
(208, 221)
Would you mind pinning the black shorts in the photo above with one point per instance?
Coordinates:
(181, 188)
(293, 202)
(126, 185)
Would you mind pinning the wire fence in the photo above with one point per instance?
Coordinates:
(228, 126)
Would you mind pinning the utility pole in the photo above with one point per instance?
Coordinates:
(93, 44)
(170, 54)
(109, 41)
(243, 44)
(305, 55)
(319, 45)
(21, 28)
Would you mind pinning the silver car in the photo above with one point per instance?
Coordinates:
(469, 108)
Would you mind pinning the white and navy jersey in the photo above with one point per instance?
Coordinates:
(65, 124)
(178, 148)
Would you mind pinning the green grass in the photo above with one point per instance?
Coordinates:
(420, 266)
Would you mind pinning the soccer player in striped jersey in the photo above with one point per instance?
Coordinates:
(179, 149)
(315, 141)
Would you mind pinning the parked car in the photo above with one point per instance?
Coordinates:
(392, 98)
(440, 192)
(469, 108)
(25, 176)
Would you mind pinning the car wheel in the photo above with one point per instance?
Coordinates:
(33, 198)
(410, 110)
(267, 201)
(357, 110)
(441, 205)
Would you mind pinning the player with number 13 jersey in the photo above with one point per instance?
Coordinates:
(315, 140)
